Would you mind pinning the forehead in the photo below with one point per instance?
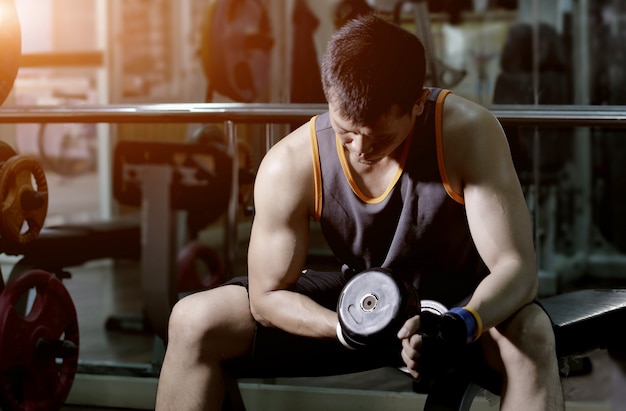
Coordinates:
(386, 123)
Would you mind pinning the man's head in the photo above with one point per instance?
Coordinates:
(370, 65)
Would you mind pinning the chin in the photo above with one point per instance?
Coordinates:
(369, 161)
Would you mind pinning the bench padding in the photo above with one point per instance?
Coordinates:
(587, 319)
(70, 245)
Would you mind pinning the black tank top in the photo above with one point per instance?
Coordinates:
(418, 228)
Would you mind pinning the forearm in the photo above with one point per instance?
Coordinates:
(509, 287)
(294, 313)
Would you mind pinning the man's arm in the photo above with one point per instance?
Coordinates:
(283, 200)
(481, 166)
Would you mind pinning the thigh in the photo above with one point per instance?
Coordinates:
(276, 353)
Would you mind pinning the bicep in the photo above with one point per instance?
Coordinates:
(496, 209)
(276, 252)
(279, 237)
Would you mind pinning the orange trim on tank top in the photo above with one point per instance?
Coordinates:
(355, 188)
(317, 174)
(439, 139)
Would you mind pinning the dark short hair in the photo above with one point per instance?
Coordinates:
(371, 64)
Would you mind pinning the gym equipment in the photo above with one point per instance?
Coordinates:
(6, 152)
(38, 323)
(69, 245)
(438, 74)
(212, 136)
(373, 306)
(199, 267)
(236, 49)
(10, 46)
(199, 171)
(39, 345)
(346, 10)
(75, 151)
(22, 204)
(162, 178)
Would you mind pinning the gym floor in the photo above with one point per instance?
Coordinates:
(101, 289)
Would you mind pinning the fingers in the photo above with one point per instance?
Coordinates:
(410, 327)
(411, 345)
(411, 353)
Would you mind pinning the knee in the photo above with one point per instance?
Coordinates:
(184, 326)
(529, 333)
(210, 324)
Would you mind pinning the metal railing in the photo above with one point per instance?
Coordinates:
(515, 115)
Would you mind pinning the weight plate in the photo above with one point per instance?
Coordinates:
(10, 47)
(433, 306)
(199, 267)
(237, 50)
(23, 208)
(29, 379)
(6, 152)
(371, 307)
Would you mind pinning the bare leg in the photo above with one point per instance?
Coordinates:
(204, 329)
(527, 361)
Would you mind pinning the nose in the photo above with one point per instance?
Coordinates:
(359, 144)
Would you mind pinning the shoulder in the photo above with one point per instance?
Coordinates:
(459, 113)
(287, 168)
(473, 140)
(293, 152)
(466, 124)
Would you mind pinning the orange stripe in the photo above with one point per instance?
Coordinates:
(317, 174)
(439, 138)
(352, 182)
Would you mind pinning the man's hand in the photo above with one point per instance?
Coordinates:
(432, 343)
(411, 345)
(423, 347)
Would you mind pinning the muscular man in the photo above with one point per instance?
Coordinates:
(413, 179)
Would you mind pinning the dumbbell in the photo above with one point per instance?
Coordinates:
(372, 308)
(374, 305)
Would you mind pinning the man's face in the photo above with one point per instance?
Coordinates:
(370, 143)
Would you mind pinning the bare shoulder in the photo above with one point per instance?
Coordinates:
(286, 171)
(290, 155)
(463, 115)
(474, 142)
(468, 125)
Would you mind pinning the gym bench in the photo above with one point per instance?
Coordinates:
(161, 179)
(583, 321)
(67, 245)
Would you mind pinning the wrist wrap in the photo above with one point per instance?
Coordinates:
(473, 323)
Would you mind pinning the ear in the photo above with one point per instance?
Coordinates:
(419, 105)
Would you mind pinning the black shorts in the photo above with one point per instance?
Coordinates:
(277, 353)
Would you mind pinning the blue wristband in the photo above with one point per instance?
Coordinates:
(469, 320)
